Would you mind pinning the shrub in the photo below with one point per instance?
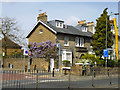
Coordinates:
(101, 62)
(90, 57)
(66, 62)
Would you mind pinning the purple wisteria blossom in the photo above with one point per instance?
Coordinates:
(44, 49)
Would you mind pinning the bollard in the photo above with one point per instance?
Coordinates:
(53, 73)
(93, 75)
(69, 79)
(37, 81)
(109, 75)
(108, 72)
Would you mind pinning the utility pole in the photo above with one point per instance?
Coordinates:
(106, 42)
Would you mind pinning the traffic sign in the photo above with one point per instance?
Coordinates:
(25, 52)
(29, 53)
(105, 53)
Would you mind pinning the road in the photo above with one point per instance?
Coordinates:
(45, 80)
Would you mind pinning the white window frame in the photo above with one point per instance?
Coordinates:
(59, 24)
(66, 38)
(40, 31)
(64, 55)
(84, 29)
(77, 41)
(82, 42)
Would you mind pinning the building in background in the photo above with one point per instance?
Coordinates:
(74, 41)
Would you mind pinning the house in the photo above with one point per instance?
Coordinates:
(74, 41)
(11, 46)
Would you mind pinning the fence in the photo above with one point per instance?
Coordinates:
(43, 79)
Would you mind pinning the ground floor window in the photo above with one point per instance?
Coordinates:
(67, 55)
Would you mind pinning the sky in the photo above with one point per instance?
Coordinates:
(26, 13)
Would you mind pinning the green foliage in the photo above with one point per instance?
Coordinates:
(90, 57)
(118, 64)
(66, 62)
(101, 62)
(99, 38)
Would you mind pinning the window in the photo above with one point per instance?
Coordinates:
(84, 29)
(66, 41)
(90, 43)
(79, 42)
(67, 55)
(59, 24)
(41, 31)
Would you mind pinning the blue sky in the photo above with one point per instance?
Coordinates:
(26, 12)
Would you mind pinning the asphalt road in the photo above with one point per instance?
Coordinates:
(45, 80)
(61, 83)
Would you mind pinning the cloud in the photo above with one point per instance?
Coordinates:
(71, 20)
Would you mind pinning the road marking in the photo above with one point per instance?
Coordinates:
(40, 81)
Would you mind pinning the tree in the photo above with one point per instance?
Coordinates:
(9, 29)
(99, 38)
(44, 50)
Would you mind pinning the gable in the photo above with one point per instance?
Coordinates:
(37, 24)
(38, 37)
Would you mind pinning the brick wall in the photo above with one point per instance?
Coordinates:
(46, 35)
(18, 63)
(72, 44)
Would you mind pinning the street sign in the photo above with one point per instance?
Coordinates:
(25, 52)
(29, 53)
(105, 53)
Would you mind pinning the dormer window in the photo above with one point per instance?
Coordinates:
(41, 31)
(59, 24)
(84, 29)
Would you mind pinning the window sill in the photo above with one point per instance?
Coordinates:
(66, 45)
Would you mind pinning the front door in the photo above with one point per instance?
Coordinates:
(51, 64)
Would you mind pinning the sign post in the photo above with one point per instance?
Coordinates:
(60, 53)
(29, 53)
(105, 54)
(25, 53)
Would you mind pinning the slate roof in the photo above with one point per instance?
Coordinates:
(69, 30)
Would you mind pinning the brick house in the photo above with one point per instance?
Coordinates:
(11, 46)
(75, 41)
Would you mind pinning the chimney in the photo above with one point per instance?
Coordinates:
(42, 17)
(83, 22)
(90, 23)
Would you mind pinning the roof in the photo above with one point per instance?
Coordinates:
(69, 30)
(10, 43)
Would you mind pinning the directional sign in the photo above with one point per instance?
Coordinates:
(105, 53)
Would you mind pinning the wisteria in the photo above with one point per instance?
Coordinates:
(44, 49)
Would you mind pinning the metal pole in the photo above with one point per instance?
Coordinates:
(106, 43)
(59, 60)
(24, 62)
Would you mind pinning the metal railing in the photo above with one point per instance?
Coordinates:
(43, 79)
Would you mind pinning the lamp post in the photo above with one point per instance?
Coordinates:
(3, 59)
(106, 33)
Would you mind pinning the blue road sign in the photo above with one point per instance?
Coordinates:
(105, 53)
